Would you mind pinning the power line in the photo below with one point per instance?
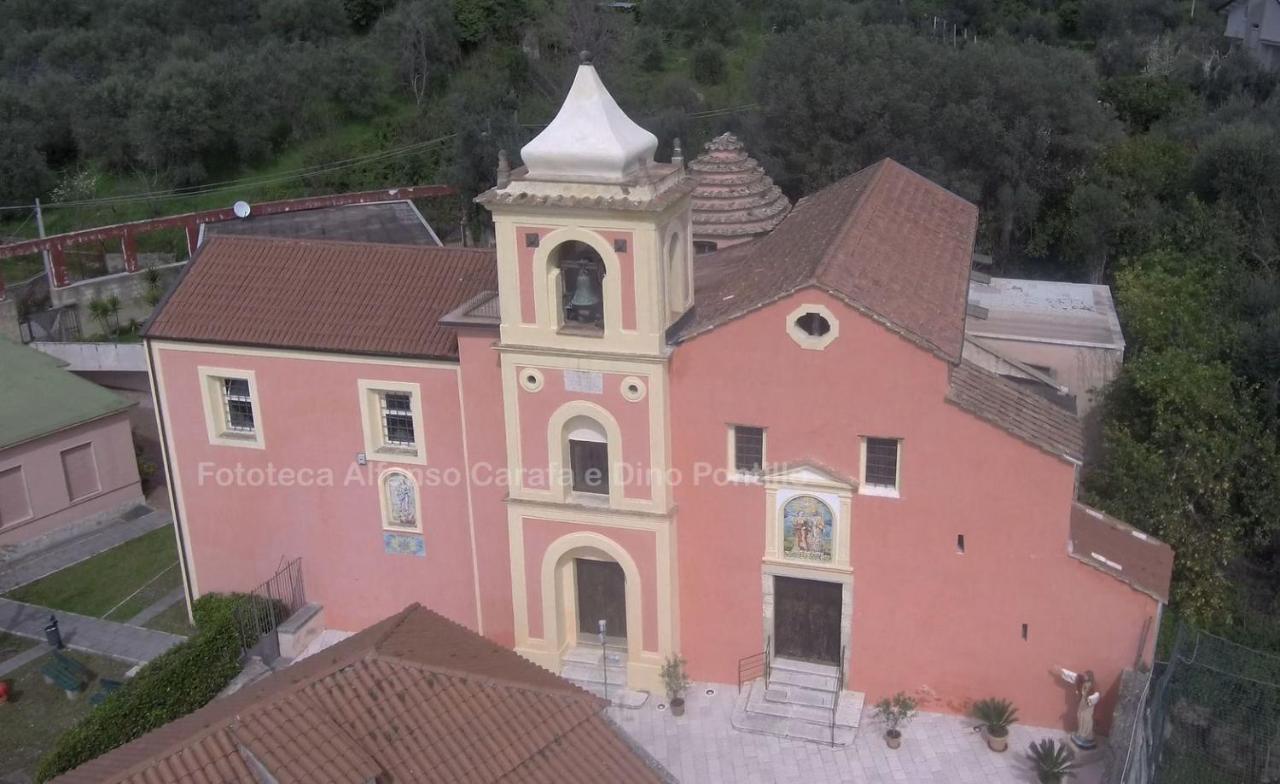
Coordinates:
(252, 182)
(224, 186)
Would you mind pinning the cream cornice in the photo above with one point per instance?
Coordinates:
(284, 353)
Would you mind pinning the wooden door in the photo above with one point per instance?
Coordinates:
(806, 619)
(602, 593)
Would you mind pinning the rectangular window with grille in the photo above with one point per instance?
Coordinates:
(237, 405)
(590, 463)
(748, 449)
(397, 419)
(881, 468)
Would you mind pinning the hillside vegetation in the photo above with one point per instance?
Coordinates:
(1116, 141)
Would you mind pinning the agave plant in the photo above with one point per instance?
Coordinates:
(996, 715)
(1053, 761)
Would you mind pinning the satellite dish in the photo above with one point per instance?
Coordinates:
(241, 209)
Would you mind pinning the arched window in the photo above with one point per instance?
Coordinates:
(588, 448)
(400, 502)
(676, 274)
(581, 285)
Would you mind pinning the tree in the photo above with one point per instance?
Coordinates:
(425, 38)
(1239, 167)
(709, 63)
(1008, 125)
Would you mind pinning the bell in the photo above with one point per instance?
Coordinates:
(585, 303)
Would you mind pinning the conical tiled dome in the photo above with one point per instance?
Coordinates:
(735, 200)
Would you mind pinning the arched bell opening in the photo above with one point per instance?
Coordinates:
(581, 272)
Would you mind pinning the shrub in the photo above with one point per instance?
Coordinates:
(674, 677)
(1052, 761)
(177, 682)
(896, 712)
(709, 63)
(996, 715)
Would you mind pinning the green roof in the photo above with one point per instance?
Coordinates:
(38, 397)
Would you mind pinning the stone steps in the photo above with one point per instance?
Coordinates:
(804, 675)
(583, 666)
(848, 712)
(746, 718)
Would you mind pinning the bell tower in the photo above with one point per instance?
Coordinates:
(594, 265)
(593, 235)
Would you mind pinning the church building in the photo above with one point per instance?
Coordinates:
(773, 450)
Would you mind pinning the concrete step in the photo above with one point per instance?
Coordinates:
(594, 673)
(788, 727)
(588, 654)
(616, 695)
(810, 668)
(798, 695)
(801, 680)
(848, 711)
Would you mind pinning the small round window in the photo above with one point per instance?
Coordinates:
(813, 324)
(531, 379)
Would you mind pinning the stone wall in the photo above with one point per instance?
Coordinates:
(129, 288)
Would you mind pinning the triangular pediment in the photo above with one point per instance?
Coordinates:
(807, 474)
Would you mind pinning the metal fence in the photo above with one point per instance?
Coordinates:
(266, 607)
(1212, 716)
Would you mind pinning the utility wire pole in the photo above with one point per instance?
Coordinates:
(44, 254)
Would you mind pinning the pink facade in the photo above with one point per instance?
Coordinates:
(81, 473)
(246, 515)
(926, 619)
(953, 560)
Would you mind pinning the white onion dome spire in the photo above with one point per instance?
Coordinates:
(591, 139)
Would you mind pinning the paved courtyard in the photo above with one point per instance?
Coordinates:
(702, 746)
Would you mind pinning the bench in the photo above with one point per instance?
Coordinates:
(67, 673)
(106, 687)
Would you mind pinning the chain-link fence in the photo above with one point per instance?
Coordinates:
(1212, 716)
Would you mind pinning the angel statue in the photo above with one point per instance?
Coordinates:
(1083, 684)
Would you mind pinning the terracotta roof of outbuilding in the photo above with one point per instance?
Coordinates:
(734, 197)
(1017, 410)
(885, 239)
(1122, 551)
(414, 698)
(354, 298)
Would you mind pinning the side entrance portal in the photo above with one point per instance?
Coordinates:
(807, 619)
(602, 595)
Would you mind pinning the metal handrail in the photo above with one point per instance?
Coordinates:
(835, 697)
(756, 662)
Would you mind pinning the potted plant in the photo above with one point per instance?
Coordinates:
(676, 681)
(896, 712)
(1053, 761)
(996, 716)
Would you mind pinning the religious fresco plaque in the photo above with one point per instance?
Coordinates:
(402, 503)
(807, 529)
(403, 544)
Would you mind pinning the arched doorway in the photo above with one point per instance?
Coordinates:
(587, 578)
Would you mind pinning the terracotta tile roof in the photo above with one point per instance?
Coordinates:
(414, 698)
(324, 295)
(1122, 551)
(1017, 410)
(886, 240)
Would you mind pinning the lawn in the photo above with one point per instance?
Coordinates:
(12, 645)
(37, 713)
(116, 584)
(173, 620)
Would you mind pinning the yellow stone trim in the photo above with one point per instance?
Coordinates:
(558, 451)
(546, 295)
(804, 339)
(214, 417)
(386, 511)
(804, 480)
(177, 506)
(371, 422)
